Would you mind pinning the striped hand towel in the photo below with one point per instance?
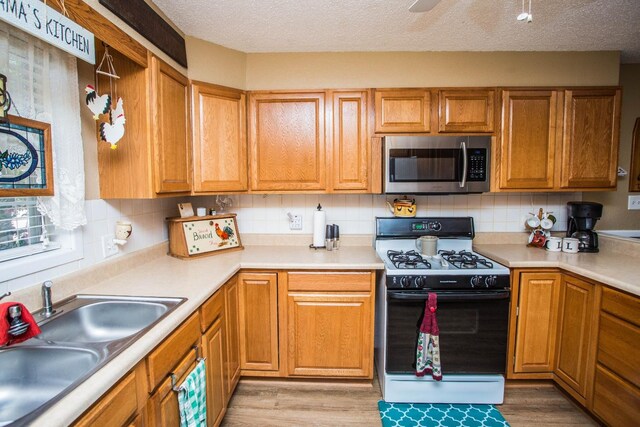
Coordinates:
(192, 398)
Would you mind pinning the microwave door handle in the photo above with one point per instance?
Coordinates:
(463, 182)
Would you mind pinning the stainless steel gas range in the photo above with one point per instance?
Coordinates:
(473, 305)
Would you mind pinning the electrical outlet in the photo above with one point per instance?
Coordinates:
(109, 248)
(295, 222)
(634, 203)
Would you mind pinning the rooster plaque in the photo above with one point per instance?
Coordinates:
(203, 235)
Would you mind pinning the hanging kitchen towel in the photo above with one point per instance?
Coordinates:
(428, 351)
(6, 327)
(192, 398)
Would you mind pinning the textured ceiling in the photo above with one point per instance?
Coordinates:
(387, 25)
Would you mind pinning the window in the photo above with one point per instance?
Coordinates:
(23, 230)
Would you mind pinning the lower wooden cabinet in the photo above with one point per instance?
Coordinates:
(536, 314)
(258, 312)
(330, 324)
(213, 345)
(615, 401)
(575, 351)
(232, 319)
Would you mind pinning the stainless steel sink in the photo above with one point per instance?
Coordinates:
(84, 334)
(30, 376)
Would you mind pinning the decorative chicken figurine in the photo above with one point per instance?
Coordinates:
(112, 132)
(97, 104)
(225, 232)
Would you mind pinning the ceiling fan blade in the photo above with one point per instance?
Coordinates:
(423, 5)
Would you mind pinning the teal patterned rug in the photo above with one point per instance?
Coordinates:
(439, 415)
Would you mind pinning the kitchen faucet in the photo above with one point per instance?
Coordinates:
(47, 303)
(5, 295)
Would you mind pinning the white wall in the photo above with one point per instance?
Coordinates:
(355, 214)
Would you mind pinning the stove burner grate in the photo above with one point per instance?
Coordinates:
(465, 260)
(407, 260)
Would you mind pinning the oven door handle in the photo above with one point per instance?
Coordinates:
(451, 296)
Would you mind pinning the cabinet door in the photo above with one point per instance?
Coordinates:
(403, 111)
(528, 139)
(213, 345)
(170, 118)
(466, 111)
(258, 321)
(115, 408)
(232, 362)
(536, 322)
(329, 334)
(219, 139)
(575, 338)
(287, 140)
(350, 142)
(615, 401)
(591, 138)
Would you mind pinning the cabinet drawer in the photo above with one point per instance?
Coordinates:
(614, 400)
(329, 281)
(167, 355)
(211, 310)
(621, 305)
(114, 408)
(618, 342)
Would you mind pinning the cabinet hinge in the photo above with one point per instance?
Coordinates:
(517, 311)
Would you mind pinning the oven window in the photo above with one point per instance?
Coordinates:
(473, 335)
(415, 165)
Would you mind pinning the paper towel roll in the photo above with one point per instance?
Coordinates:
(319, 222)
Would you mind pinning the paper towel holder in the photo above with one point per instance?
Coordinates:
(312, 246)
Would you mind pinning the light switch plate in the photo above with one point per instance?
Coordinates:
(634, 203)
(109, 248)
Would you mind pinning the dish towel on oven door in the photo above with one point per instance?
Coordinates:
(428, 351)
(192, 399)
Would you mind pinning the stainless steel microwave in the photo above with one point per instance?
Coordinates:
(436, 164)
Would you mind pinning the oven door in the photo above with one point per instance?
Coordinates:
(473, 330)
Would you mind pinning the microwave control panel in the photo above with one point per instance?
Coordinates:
(477, 166)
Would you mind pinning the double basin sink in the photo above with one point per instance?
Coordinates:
(84, 333)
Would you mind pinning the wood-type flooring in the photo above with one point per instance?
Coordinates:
(260, 403)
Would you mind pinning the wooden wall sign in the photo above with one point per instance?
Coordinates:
(634, 175)
(142, 18)
(198, 236)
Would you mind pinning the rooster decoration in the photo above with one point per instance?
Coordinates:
(224, 233)
(97, 104)
(113, 131)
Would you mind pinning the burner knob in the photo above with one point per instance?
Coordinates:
(405, 282)
(476, 281)
(418, 283)
(490, 281)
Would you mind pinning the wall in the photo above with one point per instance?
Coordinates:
(355, 214)
(615, 215)
(213, 63)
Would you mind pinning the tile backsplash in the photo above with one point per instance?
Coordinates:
(355, 214)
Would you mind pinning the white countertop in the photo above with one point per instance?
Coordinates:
(196, 280)
(615, 269)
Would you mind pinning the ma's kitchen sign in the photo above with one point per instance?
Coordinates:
(39, 20)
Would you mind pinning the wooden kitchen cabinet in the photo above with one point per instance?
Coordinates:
(466, 110)
(329, 324)
(153, 158)
(232, 319)
(616, 391)
(213, 345)
(534, 324)
(258, 315)
(590, 138)
(529, 139)
(350, 141)
(287, 141)
(402, 110)
(575, 350)
(219, 139)
(122, 405)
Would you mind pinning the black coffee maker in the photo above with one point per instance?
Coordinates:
(582, 218)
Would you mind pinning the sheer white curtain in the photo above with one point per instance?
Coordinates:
(43, 82)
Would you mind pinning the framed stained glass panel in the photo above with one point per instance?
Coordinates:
(26, 165)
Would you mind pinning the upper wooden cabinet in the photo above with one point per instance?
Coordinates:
(403, 110)
(528, 139)
(154, 156)
(466, 110)
(287, 141)
(591, 138)
(544, 146)
(219, 139)
(350, 143)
